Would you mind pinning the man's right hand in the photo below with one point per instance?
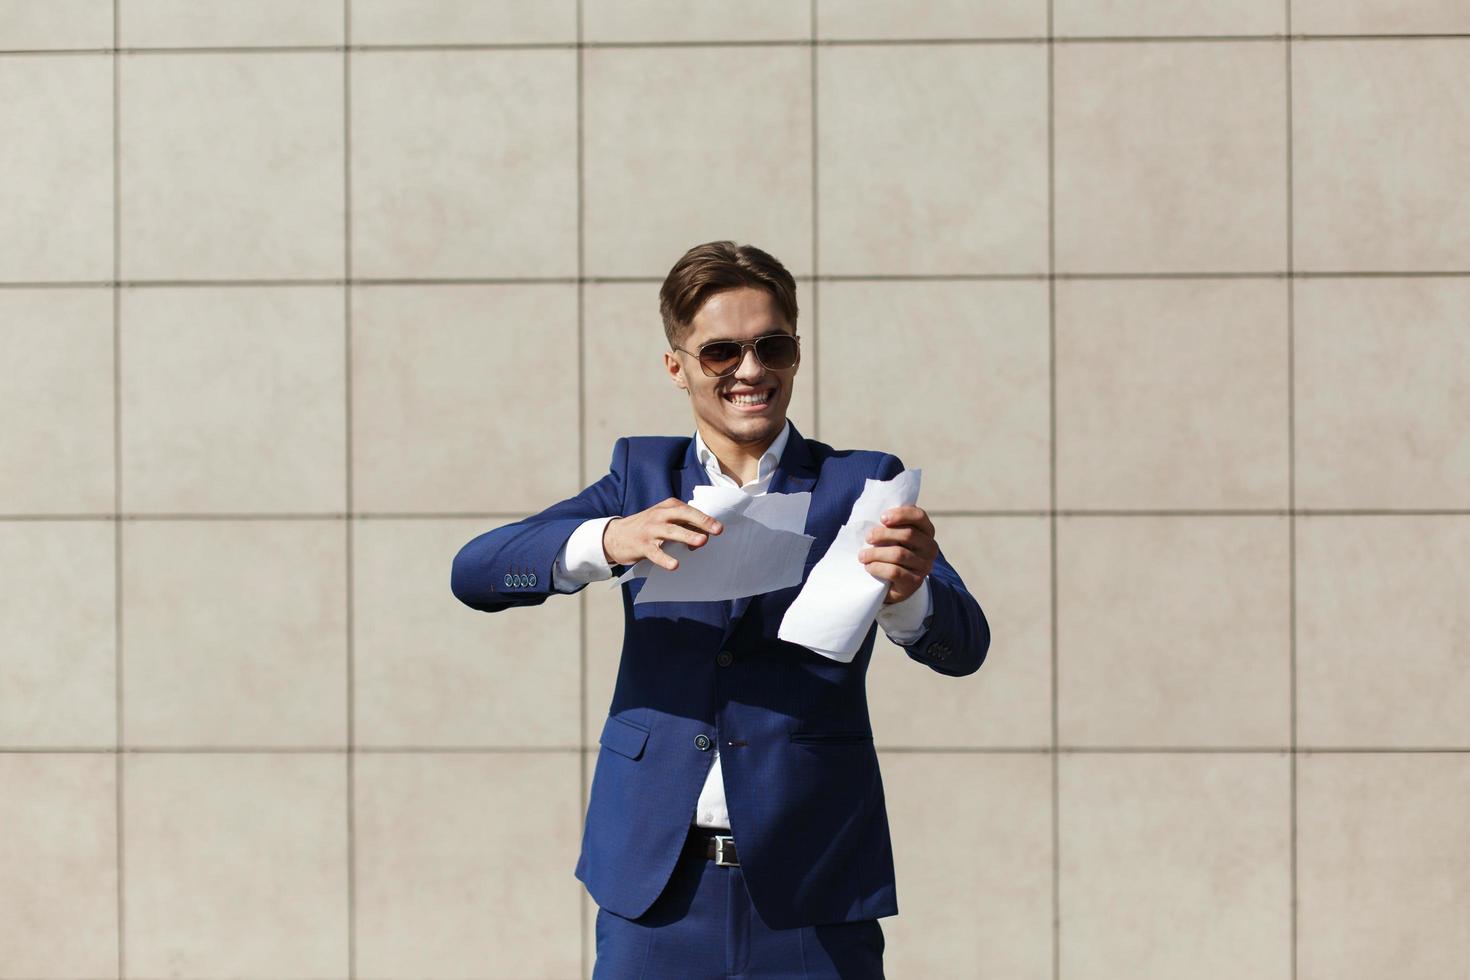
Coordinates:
(626, 540)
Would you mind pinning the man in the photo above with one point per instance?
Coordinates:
(736, 823)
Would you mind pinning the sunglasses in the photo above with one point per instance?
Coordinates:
(718, 358)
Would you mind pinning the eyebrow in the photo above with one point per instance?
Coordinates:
(770, 333)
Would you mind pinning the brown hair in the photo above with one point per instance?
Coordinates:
(712, 268)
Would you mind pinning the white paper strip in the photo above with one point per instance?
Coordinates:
(760, 548)
(837, 606)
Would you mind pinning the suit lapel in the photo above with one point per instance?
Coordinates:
(689, 476)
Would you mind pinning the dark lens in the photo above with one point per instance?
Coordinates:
(777, 352)
(721, 356)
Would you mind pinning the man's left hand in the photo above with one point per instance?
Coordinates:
(901, 551)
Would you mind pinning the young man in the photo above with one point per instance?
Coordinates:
(736, 822)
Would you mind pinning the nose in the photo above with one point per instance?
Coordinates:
(751, 369)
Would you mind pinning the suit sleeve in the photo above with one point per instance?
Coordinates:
(511, 565)
(958, 636)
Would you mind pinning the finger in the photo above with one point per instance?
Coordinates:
(899, 593)
(909, 514)
(678, 532)
(696, 518)
(900, 534)
(882, 534)
(896, 576)
(911, 538)
(656, 555)
(900, 556)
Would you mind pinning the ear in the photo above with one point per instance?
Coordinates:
(676, 371)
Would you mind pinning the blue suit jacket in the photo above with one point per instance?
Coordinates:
(801, 775)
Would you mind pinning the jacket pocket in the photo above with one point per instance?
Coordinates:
(623, 737)
(831, 738)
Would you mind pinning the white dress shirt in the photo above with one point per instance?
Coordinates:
(582, 560)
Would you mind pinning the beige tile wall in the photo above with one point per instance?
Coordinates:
(1174, 312)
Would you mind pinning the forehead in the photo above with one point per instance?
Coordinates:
(737, 314)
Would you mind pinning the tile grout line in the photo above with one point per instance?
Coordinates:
(881, 747)
(582, 601)
(367, 282)
(1048, 39)
(118, 767)
(1051, 360)
(934, 512)
(1291, 480)
(816, 248)
(349, 525)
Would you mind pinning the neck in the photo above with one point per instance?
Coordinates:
(739, 461)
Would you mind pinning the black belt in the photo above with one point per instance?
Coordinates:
(715, 843)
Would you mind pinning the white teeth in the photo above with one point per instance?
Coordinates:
(759, 399)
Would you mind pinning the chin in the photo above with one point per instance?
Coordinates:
(745, 429)
(759, 428)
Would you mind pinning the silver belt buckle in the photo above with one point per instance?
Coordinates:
(720, 841)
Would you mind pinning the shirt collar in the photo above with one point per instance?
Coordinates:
(768, 461)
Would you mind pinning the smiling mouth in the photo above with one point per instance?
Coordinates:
(750, 400)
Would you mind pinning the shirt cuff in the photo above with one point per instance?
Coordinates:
(907, 620)
(581, 559)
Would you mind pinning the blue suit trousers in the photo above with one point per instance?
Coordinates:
(704, 927)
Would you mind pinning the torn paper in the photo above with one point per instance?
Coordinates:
(837, 606)
(761, 548)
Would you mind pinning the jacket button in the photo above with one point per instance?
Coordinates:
(725, 658)
(507, 580)
(533, 578)
(702, 742)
